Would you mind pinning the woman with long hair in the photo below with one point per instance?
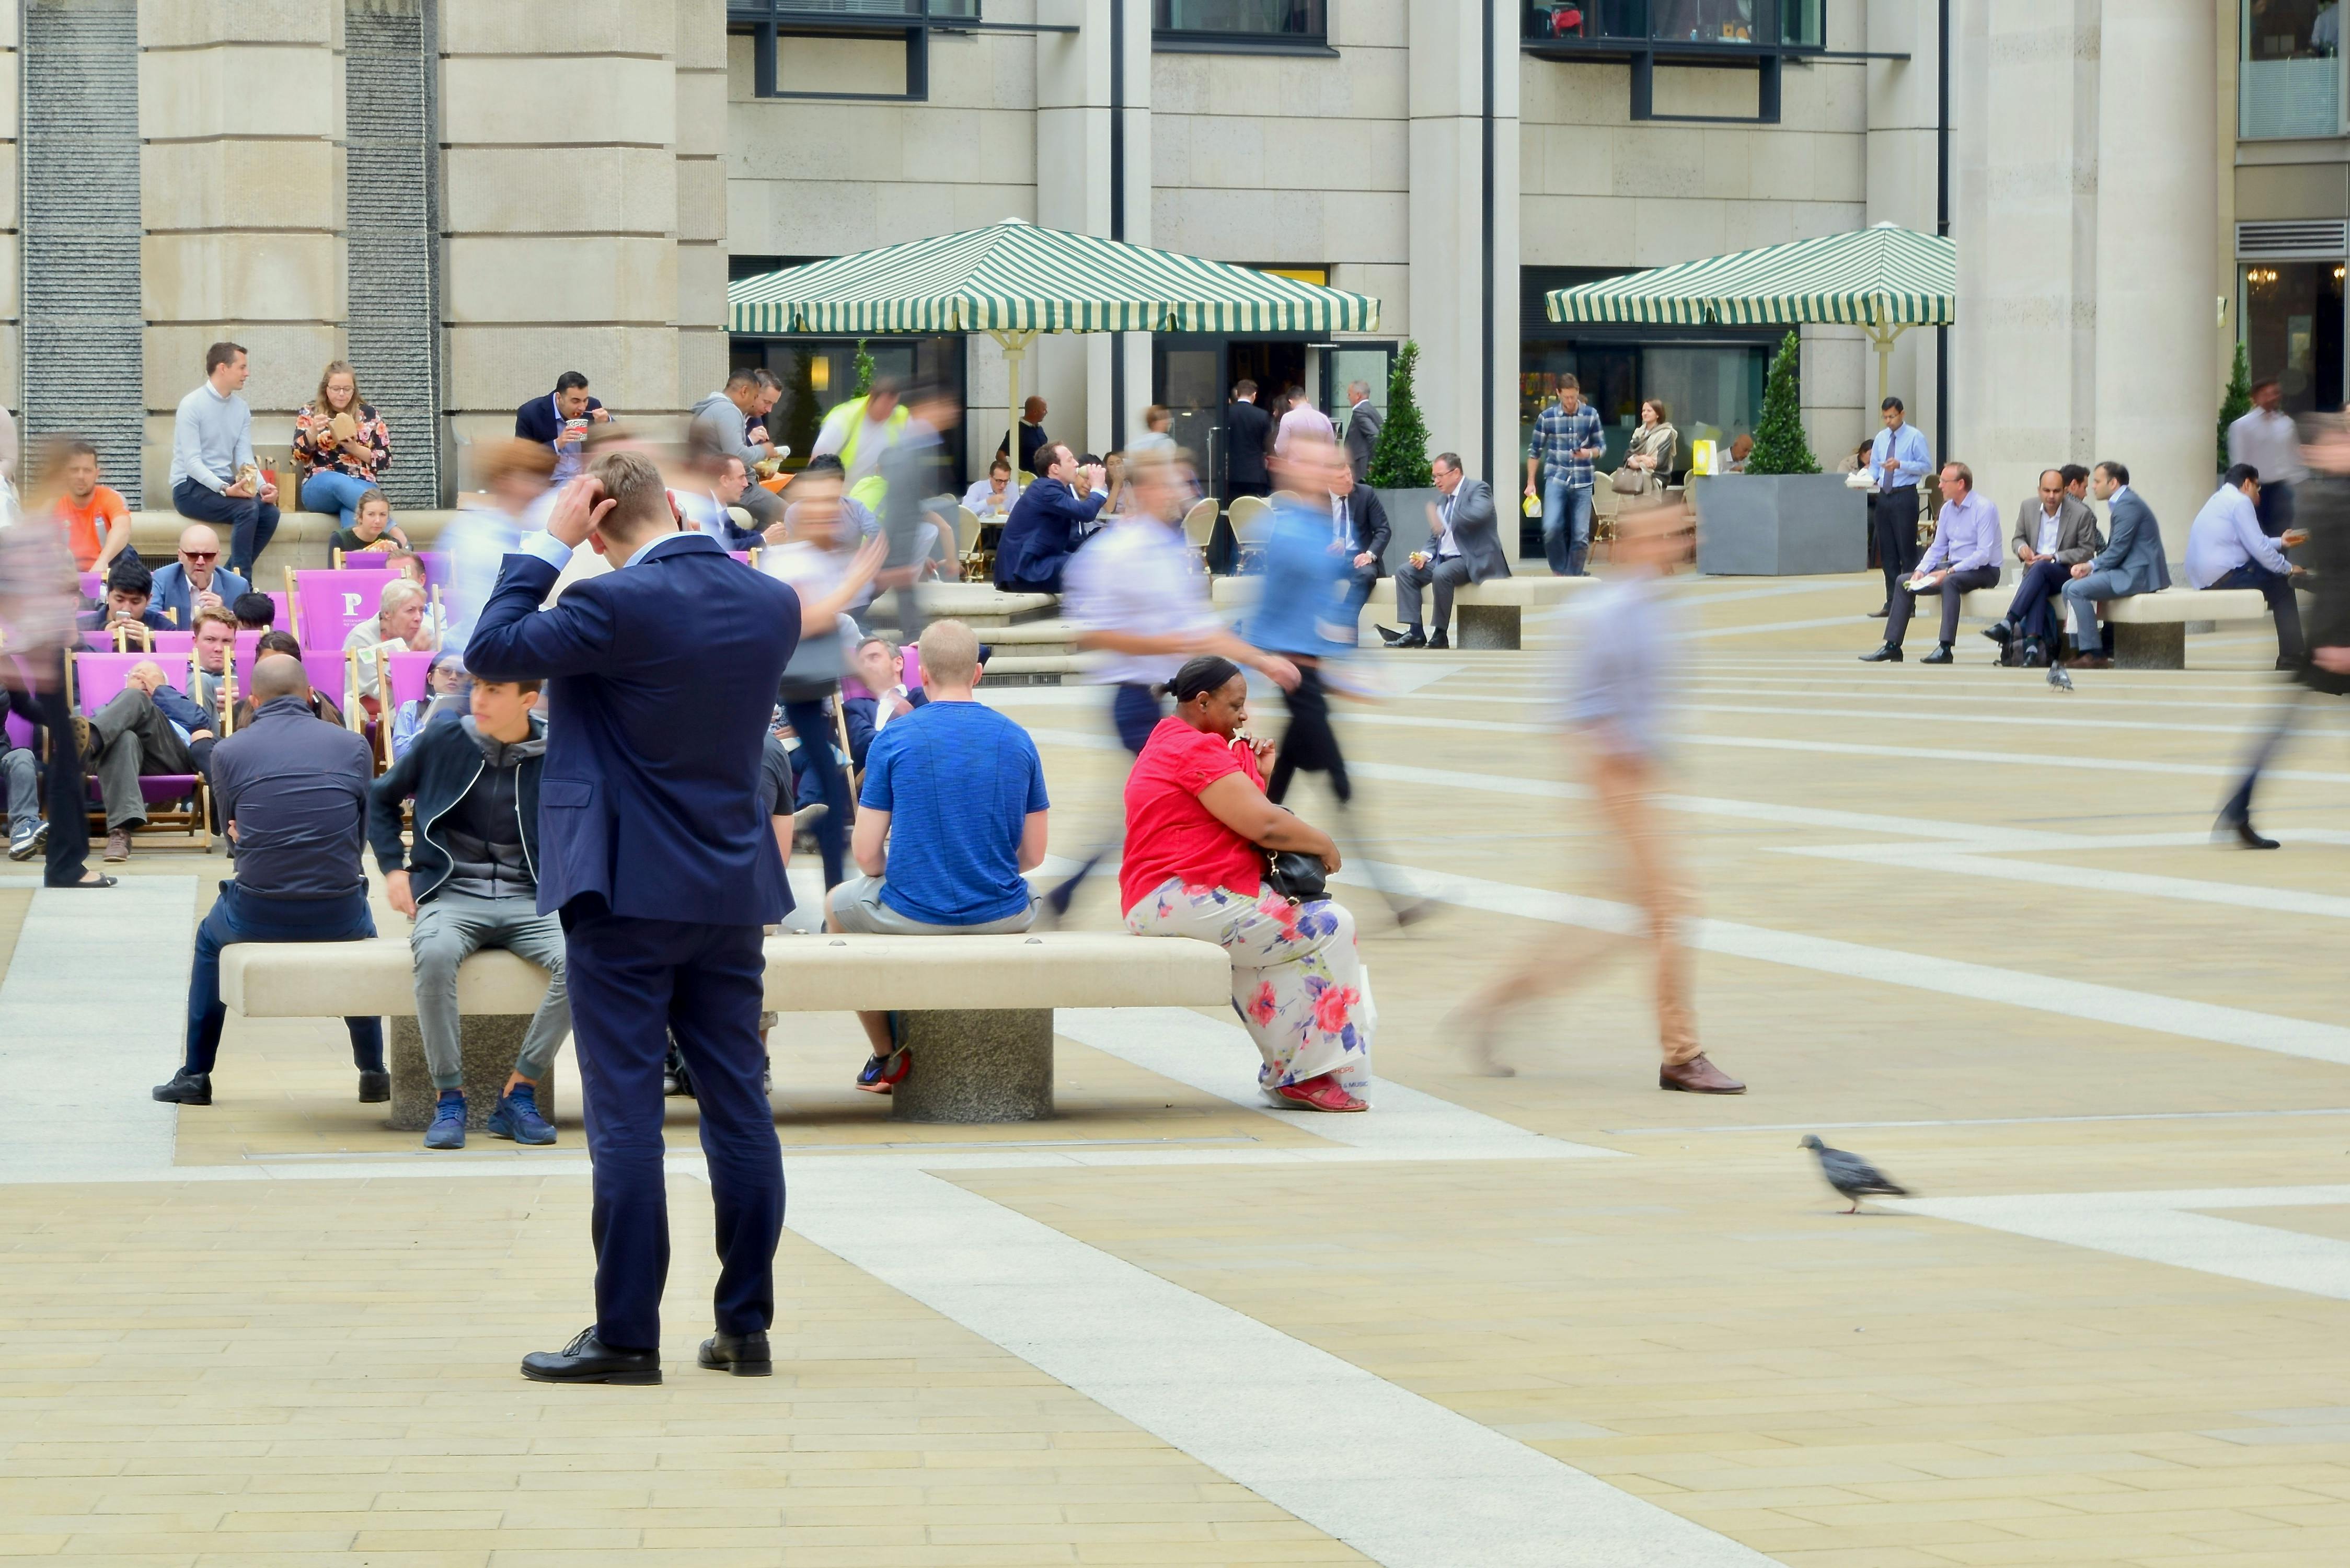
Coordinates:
(340, 445)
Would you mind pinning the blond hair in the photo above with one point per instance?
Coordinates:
(950, 653)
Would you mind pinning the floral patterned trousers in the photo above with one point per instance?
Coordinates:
(1297, 978)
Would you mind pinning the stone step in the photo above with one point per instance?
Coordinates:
(979, 605)
(1037, 668)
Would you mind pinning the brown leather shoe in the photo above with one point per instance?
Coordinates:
(118, 845)
(1698, 1076)
(2088, 661)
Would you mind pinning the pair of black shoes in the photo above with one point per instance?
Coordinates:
(587, 1359)
(189, 1087)
(1886, 653)
(1411, 637)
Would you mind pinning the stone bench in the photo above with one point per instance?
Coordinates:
(977, 1010)
(1490, 614)
(2149, 629)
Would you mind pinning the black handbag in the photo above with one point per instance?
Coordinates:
(1294, 875)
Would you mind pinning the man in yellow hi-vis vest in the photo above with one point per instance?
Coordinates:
(859, 432)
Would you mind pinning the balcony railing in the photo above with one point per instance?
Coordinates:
(1616, 26)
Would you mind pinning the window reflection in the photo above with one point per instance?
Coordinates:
(2293, 330)
(2290, 79)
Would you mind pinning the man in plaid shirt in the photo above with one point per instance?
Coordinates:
(1567, 437)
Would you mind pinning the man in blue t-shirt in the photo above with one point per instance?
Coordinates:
(951, 814)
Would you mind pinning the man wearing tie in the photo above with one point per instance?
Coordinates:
(1359, 531)
(1465, 545)
(657, 853)
(1897, 462)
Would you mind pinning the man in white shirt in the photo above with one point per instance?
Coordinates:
(2267, 440)
(990, 499)
(2227, 548)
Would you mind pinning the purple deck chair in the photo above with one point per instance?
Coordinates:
(327, 605)
(96, 678)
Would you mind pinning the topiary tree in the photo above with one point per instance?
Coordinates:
(1780, 444)
(1399, 457)
(864, 370)
(2235, 403)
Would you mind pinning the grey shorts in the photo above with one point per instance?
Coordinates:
(856, 905)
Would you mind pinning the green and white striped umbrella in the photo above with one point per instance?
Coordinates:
(1013, 278)
(1888, 277)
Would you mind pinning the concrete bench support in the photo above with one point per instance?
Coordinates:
(489, 1042)
(1487, 626)
(1487, 615)
(986, 1067)
(2142, 647)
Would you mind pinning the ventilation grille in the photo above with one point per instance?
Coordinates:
(84, 358)
(2311, 240)
(387, 205)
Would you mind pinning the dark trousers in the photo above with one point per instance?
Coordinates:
(637, 984)
(1310, 744)
(66, 799)
(810, 723)
(238, 916)
(2278, 591)
(1894, 514)
(2283, 720)
(2035, 605)
(2275, 508)
(1897, 623)
(1136, 709)
(250, 521)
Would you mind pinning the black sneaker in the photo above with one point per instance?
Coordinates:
(186, 1088)
(375, 1088)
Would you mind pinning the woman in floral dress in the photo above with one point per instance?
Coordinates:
(1197, 827)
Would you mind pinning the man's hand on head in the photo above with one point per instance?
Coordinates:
(579, 506)
(147, 675)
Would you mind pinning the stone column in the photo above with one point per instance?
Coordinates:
(1447, 205)
(239, 111)
(2158, 377)
(1903, 108)
(700, 197)
(560, 153)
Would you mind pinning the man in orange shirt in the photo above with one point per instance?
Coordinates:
(97, 524)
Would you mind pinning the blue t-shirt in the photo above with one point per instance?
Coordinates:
(958, 781)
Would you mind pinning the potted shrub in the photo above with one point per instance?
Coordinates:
(1399, 470)
(1783, 517)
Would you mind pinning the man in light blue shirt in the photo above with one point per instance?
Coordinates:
(1964, 555)
(1895, 463)
(211, 446)
(2227, 549)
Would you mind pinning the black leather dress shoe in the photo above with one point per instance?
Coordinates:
(2001, 632)
(375, 1088)
(1941, 654)
(1886, 654)
(744, 1354)
(1439, 640)
(1409, 636)
(589, 1359)
(2245, 833)
(1880, 612)
(186, 1088)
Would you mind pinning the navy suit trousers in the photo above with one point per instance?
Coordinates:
(2035, 605)
(635, 984)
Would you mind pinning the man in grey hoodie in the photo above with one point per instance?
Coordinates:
(471, 882)
(721, 422)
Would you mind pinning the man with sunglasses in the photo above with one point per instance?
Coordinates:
(197, 579)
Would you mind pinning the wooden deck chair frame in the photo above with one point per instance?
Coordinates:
(195, 822)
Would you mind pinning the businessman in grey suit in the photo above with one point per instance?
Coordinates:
(1363, 422)
(2053, 534)
(2131, 563)
(1465, 545)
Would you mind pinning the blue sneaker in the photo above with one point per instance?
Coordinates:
(517, 1117)
(448, 1128)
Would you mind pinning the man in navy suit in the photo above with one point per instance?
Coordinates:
(1042, 532)
(656, 851)
(2131, 563)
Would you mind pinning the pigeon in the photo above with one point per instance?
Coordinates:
(2060, 678)
(1851, 1174)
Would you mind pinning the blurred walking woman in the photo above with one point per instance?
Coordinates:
(341, 446)
(1197, 828)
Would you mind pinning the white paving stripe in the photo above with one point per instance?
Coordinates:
(1397, 1476)
(2179, 889)
(82, 1039)
(1713, 631)
(2170, 1227)
(2052, 994)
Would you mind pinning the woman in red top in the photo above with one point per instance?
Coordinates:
(1197, 826)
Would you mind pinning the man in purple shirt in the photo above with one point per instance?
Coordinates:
(1963, 556)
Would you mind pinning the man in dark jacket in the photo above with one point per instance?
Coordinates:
(2322, 505)
(1042, 532)
(1249, 429)
(293, 793)
(472, 882)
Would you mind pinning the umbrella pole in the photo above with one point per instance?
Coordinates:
(1014, 344)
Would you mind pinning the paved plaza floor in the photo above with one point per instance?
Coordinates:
(1969, 926)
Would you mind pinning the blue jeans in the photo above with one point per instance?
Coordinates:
(1566, 525)
(814, 729)
(250, 521)
(241, 917)
(331, 491)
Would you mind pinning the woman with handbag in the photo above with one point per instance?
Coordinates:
(1208, 857)
(1649, 458)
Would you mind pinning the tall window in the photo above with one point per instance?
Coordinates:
(2289, 82)
(1243, 21)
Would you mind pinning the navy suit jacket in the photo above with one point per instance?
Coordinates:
(1040, 537)
(2135, 548)
(536, 421)
(661, 678)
